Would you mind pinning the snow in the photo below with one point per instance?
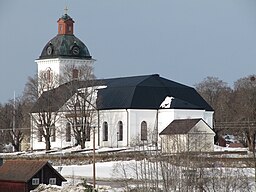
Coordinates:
(105, 171)
(226, 149)
(167, 102)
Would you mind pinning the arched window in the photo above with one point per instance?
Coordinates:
(105, 131)
(120, 131)
(144, 131)
(53, 133)
(40, 133)
(68, 132)
(75, 73)
(48, 75)
(87, 131)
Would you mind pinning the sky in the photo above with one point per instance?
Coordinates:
(181, 40)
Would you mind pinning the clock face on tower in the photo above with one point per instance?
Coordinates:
(49, 50)
(75, 50)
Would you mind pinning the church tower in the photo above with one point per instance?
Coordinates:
(64, 58)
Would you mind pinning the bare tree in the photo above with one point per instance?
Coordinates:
(81, 110)
(71, 98)
(82, 113)
(45, 116)
(182, 171)
(45, 111)
(245, 106)
(15, 122)
(74, 72)
(219, 95)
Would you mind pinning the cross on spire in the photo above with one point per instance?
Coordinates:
(66, 10)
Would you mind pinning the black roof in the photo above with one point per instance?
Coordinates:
(136, 92)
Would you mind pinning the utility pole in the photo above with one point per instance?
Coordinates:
(93, 167)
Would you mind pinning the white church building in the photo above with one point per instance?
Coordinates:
(118, 112)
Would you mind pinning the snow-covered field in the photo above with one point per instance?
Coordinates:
(106, 174)
(76, 174)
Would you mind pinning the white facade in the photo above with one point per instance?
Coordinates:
(57, 67)
(131, 121)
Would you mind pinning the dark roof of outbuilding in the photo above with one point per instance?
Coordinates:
(180, 126)
(22, 170)
(137, 92)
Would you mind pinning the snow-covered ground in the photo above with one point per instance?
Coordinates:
(106, 173)
(103, 170)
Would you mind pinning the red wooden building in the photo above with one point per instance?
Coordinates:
(26, 175)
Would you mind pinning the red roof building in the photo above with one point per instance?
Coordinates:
(26, 175)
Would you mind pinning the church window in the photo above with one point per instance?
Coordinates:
(120, 131)
(48, 75)
(105, 131)
(75, 74)
(68, 132)
(40, 134)
(53, 133)
(144, 131)
(87, 131)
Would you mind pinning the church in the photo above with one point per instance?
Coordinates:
(76, 108)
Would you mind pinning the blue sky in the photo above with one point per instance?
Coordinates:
(182, 40)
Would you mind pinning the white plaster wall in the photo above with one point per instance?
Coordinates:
(208, 118)
(188, 114)
(166, 116)
(131, 119)
(112, 117)
(137, 116)
(57, 65)
(43, 64)
(76, 62)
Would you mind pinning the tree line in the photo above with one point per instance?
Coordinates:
(234, 107)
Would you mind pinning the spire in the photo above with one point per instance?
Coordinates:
(65, 24)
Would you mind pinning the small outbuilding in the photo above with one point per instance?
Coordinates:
(26, 175)
(187, 135)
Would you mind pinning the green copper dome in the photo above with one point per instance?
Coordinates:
(67, 46)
